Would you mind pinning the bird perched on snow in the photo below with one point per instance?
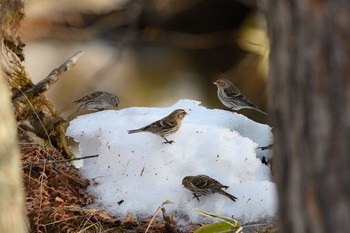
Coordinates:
(165, 126)
(232, 98)
(204, 185)
(98, 100)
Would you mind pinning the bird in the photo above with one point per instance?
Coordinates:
(204, 185)
(232, 98)
(165, 126)
(98, 100)
(269, 147)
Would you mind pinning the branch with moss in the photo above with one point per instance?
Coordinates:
(52, 78)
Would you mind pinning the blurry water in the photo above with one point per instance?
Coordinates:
(149, 67)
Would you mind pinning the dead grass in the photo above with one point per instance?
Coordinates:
(56, 194)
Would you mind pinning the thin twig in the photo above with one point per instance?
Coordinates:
(170, 225)
(155, 214)
(61, 161)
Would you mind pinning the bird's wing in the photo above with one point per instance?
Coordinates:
(151, 126)
(239, 97)
(200, 183)
(210, 182)
(89, 97)
(115, 100)
(167, 123)
(232, 91)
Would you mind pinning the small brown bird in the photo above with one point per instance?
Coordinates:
(165, 126)
(204, 185)
(232, 98)
(98, 100)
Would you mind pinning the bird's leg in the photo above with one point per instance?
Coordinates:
(265, 161)
(167, 141)
(196, 196)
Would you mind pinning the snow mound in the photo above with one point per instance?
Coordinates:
(143, 172)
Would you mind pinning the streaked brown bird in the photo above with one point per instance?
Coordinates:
(98, 100)
(231, 97)
(165, 126)
(202, 185)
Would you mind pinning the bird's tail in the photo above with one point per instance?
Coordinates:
(261, 111)
(134, 131)
(72, 114)
(233, 198)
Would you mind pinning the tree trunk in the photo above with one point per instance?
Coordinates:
(11, 191)
(35, 116)
(12, 214)
(310, 110)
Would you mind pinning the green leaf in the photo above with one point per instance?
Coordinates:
(219, 227)
(229, 221)
(227, 224)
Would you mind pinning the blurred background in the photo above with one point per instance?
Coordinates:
(149, 53)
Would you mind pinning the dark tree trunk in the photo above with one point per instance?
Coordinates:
(310, 110)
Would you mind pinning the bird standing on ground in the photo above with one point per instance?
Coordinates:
(165, 126)
(98, 100)
(204, 185)
(232, 98)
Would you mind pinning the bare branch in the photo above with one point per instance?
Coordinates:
(53, 77)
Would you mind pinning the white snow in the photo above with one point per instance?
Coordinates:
(144, 172)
